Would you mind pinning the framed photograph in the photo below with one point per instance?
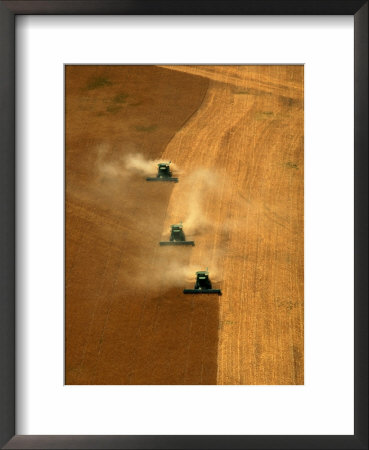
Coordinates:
(184, 224)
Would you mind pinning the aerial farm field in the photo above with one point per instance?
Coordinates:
(235, 137)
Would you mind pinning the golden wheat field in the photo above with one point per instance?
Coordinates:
(235, 136)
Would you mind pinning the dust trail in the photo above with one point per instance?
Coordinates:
(195, 189)
(171, 274)
(121, 164)
(174, 274)
(137, 163)
(201, 187)
(109, 164)
(190, 206)
(196, 198)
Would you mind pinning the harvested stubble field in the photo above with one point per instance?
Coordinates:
(235, 136)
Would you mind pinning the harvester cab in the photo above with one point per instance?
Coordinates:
(177, 236)
(203, 280)
(203, 284)
(164, 173)
(164, 170)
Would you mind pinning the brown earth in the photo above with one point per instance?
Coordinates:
(235, 134)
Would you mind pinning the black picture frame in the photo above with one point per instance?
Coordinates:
(8, 12)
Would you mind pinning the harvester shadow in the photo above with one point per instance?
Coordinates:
(178, 342)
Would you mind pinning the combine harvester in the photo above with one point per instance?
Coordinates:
(164, 173)
(202, 285)
(177, 236)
